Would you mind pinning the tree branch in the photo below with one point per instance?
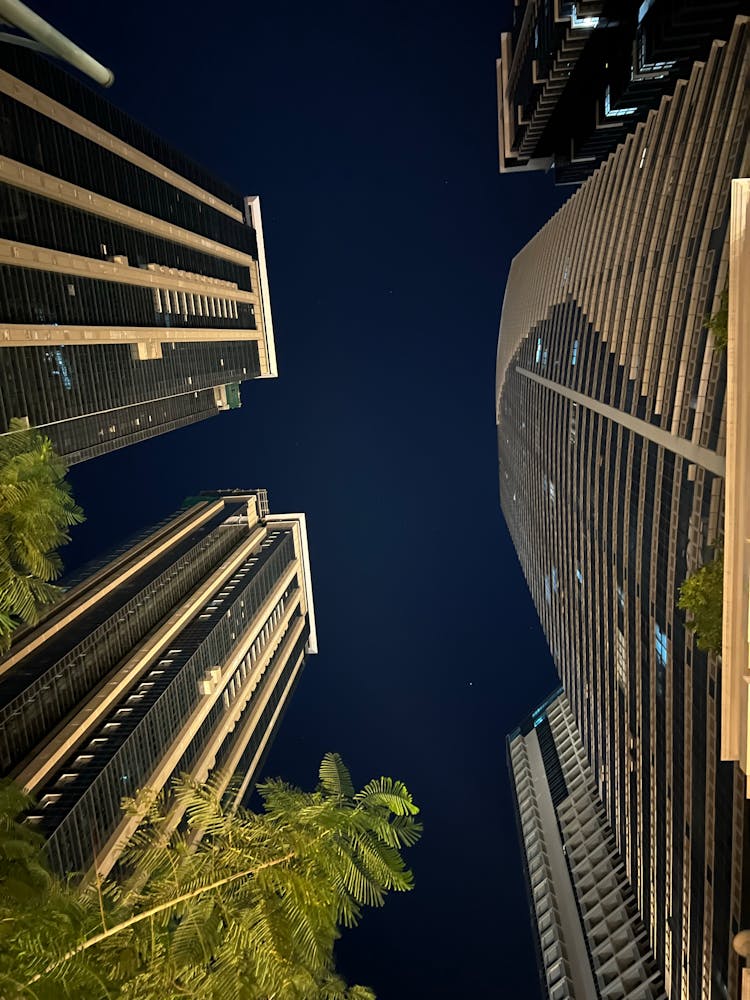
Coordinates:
(131, 921)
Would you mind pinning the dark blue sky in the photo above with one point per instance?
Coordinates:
(370, 133)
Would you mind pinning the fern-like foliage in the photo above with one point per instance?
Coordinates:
(235, 905)
(702, 596)
(36, 511)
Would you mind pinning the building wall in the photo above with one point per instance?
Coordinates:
(574, 79)
(175, 658)
(591, 939)
(132, 285)
(611, 438)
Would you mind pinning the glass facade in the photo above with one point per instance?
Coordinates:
(589, 938)
(175, 657)
(133, 738)
(611, 482)
(100, 248)
(38, 696)
(575, 79)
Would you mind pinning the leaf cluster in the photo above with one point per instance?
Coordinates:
(234, 905)
(36, 512)
(702, 596)
(718, 324)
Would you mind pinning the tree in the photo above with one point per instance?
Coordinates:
(718, 324)
(36, 511)
(702, 596)
(235, 906)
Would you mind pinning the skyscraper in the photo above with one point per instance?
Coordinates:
(133, 287)
(590, 940)
(574, 78)
(611, 435)
(176, 655)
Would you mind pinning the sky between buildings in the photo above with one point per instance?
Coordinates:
(369, 130)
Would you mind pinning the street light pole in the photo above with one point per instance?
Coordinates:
(52, 41)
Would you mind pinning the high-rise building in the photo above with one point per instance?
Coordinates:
(133, 287)
(611, 423)
(174, 656)
(574, 78)
(590, 940)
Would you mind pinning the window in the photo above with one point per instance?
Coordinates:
(621, 661)
(660, 638)
(574, 355)
(611, 112)
(538, 351)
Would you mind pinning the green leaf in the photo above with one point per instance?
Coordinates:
(334, 776)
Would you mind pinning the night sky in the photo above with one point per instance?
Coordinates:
(369, 132)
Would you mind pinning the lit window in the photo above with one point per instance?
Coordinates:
(582, 22)
(579, 575)
(611, 112)
(574, 355)
(660, 638)
(538, 351)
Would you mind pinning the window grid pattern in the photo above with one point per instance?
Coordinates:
(54, 81)
(93, 398)
(73, 390)
(628, 269)
(31, 138)
(153, 714)
(27, 718)
(222, 705)
(31, 218)
(49, 298)
(261, 729)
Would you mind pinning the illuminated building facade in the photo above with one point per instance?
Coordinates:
(133, 288)
(590, 941)
(612, 432)
(175, 656)
(575, 78)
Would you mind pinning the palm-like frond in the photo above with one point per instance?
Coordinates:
(334, 776)
(234, 906)
(36, 512)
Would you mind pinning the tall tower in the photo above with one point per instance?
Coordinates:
(590, 940)
(175, 656)
(133, 287)
(576, 76)
(611, 436)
